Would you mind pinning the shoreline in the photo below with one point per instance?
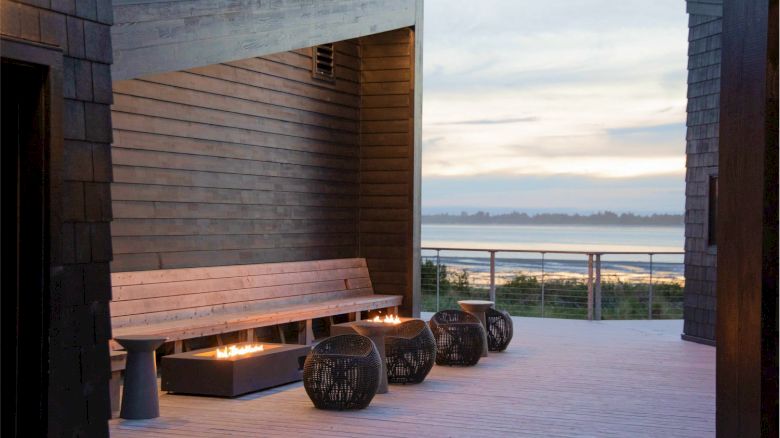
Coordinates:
(506, 269)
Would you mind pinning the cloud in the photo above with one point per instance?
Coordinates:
(489, 121)
(604, 80)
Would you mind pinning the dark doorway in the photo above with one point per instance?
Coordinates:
(25, 237)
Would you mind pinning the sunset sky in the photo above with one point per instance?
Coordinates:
(560, 105)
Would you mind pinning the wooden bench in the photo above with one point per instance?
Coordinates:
(189, 303)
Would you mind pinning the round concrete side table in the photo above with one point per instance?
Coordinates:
(139, 397)
(478, 308)
(376, 331)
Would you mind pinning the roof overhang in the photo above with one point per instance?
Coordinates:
(713, 8)
(153, 36)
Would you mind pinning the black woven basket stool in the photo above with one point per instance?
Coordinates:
(342, 372)
(499, 329)
(410, 351)
(459, 337)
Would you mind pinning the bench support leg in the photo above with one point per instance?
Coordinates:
(355, 316)
(113, 388)
(250, 335)
(305, 332)
(178, 347)
(393, 310)
(219, 340)
(281, 334)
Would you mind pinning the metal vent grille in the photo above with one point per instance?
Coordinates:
(322, 62)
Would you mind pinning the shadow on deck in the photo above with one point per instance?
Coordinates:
(558, 378)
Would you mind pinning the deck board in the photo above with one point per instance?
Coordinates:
(559, 378)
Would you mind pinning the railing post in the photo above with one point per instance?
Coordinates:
(650, 291)
(590, 287)
(437, 279)
(542, 285)
(597, 292)
(493, 276)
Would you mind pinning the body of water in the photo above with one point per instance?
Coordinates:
(559, 238)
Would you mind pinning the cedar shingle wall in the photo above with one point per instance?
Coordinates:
(702, 161)
(387, 161)
(79, 324)
(252, 161)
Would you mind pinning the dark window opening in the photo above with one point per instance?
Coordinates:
(322, 62)
(712, 211)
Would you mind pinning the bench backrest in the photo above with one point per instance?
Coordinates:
(146, 297)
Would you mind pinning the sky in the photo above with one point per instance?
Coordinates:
(555, 105)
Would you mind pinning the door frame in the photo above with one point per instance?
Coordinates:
(51, 59)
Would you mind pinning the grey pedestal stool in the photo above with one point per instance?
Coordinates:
(139, 397)
(478, 308)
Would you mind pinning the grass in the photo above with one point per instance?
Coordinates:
(563, 298)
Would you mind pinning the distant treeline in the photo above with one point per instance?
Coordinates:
(515, 218)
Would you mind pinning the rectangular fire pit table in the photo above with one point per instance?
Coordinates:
(348, 328)
(201, 372)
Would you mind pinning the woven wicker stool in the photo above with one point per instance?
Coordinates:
(499, 329)
(410, 351)
(460, 337)
(342, 372)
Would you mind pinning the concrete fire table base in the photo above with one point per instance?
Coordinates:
(348, 328)
(200, 372)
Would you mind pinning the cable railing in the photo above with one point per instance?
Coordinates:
(590, 285)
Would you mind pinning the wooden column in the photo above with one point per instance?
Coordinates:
(747, 222)
(388, 164)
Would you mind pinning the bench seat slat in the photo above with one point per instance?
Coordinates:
(149, 305)
(257, 306)
(221, 323)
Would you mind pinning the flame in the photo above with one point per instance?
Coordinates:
(232, 350)
(389, 319)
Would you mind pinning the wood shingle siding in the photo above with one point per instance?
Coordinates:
(704, 59)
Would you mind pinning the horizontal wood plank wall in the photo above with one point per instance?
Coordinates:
(251, 161)
(387, 161)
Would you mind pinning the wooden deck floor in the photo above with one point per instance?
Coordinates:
(558, 378)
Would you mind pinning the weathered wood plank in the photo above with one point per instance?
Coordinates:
(186, 227)
(125, 91)
(173, 275)
(184, 128)
(193, 328)
(184, 210)
(246, 74)
(215, 148)
(573, 372)
(201, 178)
(221, 242)
(220, 118)
(197, 286)
(253, 296)
(150, 37)
(173, 260)
(182, 161)
(208, 195)
(266, 255)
